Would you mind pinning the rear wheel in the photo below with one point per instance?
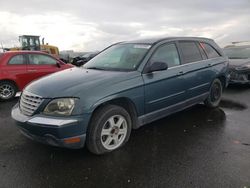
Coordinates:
(215, 94)
(109, 129)
(7, 90)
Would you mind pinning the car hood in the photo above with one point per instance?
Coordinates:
(238, 62)
(76, 82)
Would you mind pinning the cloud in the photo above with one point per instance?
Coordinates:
(59, 29)
(93, 25)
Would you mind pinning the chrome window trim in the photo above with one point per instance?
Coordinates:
(192, 63)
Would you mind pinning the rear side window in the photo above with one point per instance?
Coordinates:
(190, 52)
(38, 59)
(17, 60)
(211, 52)
(168, 54)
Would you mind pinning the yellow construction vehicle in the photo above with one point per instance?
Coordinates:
(32, 42)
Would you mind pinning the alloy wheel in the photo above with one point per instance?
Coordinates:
(114, 132)
(6, 91)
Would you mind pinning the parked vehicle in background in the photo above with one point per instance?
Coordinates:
(125, 86)
(81, 60)
(18, 68)
(239, 62)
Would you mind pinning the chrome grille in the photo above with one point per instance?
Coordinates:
(29, 103)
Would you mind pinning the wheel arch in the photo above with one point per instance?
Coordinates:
(223, 80)
(123, 102)
(12, 81)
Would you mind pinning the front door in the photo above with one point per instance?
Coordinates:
(41, 65)
(164, 89)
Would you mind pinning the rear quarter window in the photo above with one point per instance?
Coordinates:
(210, 51)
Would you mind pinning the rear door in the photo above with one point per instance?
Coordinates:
(16, 69)
(41, 65)
(197, 69)
(164, 88)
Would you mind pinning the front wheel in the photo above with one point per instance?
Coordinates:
(7, 90)
(215, 94)
(109, 129)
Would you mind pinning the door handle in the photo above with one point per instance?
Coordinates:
(209, 65)
(32, 70)
(180, 73)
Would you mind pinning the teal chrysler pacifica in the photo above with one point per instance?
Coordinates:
(125, 86)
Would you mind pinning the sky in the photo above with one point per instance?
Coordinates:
(82, 25)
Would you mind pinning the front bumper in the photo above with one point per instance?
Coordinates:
(239, 77)
(69, 132)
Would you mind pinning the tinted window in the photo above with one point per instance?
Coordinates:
(166, 53)
(211, 52)
(17, 60)
(190, 52)
(37, 59)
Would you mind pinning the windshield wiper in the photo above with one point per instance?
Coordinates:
(95, 68)
(108, 69)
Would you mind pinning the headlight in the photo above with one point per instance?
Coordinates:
(243, 67)
(61, 106)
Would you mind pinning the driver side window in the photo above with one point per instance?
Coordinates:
(166, 53)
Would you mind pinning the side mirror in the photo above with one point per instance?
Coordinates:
(79, 63)
(157, 66)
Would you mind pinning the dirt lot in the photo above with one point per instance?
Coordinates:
(198, 147)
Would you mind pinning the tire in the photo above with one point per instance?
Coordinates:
(8, 90)
(215, 94)
(109, 129)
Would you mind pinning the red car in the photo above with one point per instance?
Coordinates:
(18, 68)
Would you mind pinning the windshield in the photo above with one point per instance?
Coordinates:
(120, 57)
(238, 52)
